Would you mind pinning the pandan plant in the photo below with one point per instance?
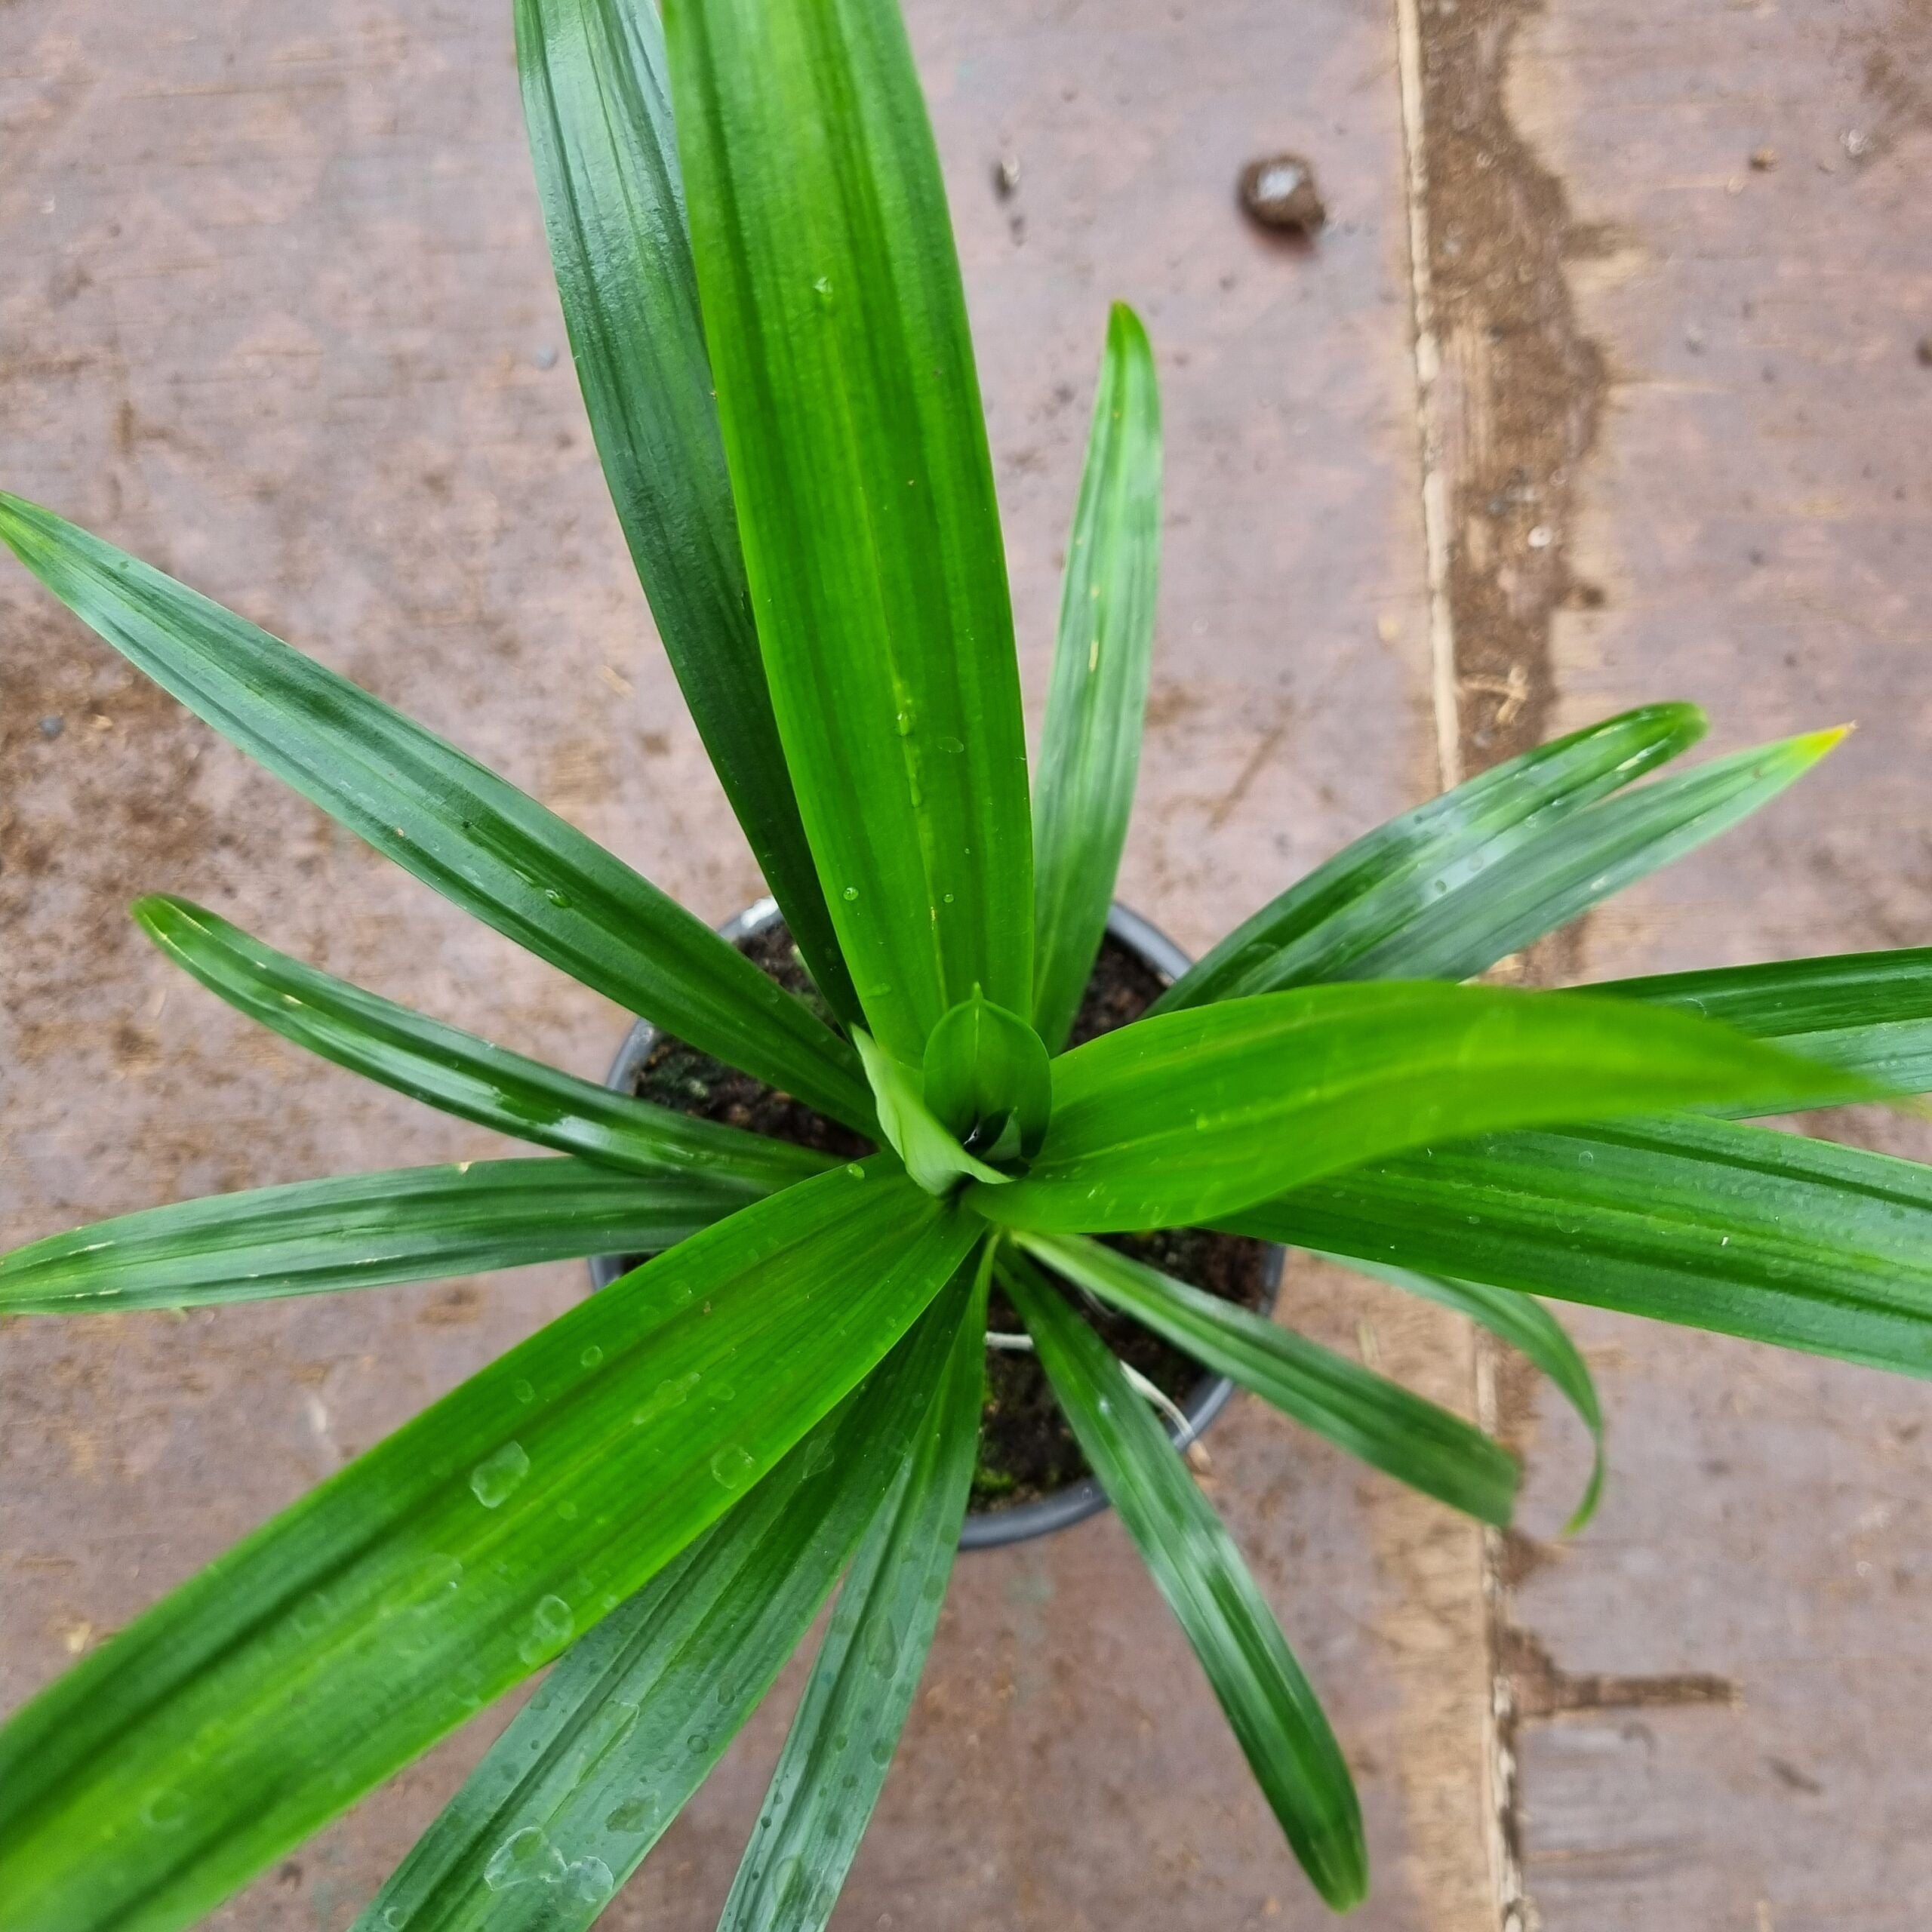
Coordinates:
(656, 1494)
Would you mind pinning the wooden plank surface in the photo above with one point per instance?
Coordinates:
(1692, 444)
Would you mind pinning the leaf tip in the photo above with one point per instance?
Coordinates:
(1813, 745)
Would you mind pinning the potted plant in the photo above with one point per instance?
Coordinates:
(658, 1491)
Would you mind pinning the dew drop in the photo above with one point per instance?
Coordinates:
(311, 1613)
(634, 1814)
(395, 1918)
(949, 743)
(523, 1391)
(590, 1880)
(166, 1811)
(698, 1743)
(882, 1751)
(592, 1356)
(851, 892)
(525, 1857)
(732, 1466)
(853, 1168)
(672, 1392)
(822, 288)
(556, 897)
(882, 1645)
(551, 1625)
(493, 1479)
(786, 1882)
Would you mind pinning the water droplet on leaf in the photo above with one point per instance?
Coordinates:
(634, 1814)
(525, 1857)
(493, 1479)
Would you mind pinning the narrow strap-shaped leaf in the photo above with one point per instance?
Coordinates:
(1870, 1013)
(1091, 752)
(1493, 901)
(456, 1071)
(455, 1557)
(1740, 1230)
(1549, 881)
(359, 1231)
(857, 447)
(1189, 1115)
(1414, 1441)
(633, 1717)
(1373, 892)
(1270, 1706)
(479, 841)
(1533, 1332)
(841, 1740)
(595, 102)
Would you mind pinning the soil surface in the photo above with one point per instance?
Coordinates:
(1026, 1450)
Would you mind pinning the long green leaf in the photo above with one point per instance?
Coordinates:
(1414, 1441)
(595, 104)
(480, 842)
(452, 1559)
(1533, 1332)
(858, 455)
(1740, 1230)
(1091, 752)
(630, 1721)
(1192, 1114)
(1870, 1013)
(456, 1071)
(1458, 917)
(1370, 896)
(1269, 1704)
(359, 1231)
(834, 1763)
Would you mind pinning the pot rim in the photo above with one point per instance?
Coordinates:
(993, 1529)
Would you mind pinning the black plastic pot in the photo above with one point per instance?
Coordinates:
(987, 1529)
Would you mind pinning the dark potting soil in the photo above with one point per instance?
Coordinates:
(1026, 1450)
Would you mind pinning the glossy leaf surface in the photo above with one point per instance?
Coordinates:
(1192, 1115)
(463, 1552)
(359, 1231)
(841, 1740)
(1535, 1333)
(1091, 752)
(1414, 1441)
(1269, 1704)
(857, 448)
(479, 841)
(632, 1717)
(457, 1072)
(1870, 1012)
(1740, 1229)
(1550, 881)
(596, 103)
(1376, 894)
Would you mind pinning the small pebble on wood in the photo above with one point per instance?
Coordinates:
(1280, 191)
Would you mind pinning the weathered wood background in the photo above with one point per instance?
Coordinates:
(275, 313)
